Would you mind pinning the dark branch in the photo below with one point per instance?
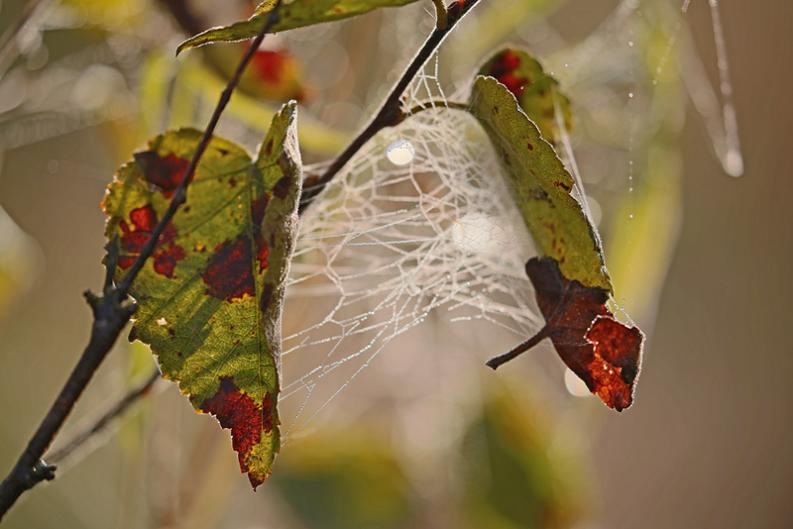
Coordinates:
(111, 312)
(391, 112)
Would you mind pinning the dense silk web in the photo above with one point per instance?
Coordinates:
(385, 245)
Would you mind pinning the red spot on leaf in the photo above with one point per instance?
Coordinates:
(134, 235)
(238, 412)
(612, 370)
(164, 172)
(503, 69)
(228, 272)
(603, 352)
(165, 261)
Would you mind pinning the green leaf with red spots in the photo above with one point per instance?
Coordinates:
(540, 185)
(571, 282)
(537, 92)
(211, 296)
(295, 14)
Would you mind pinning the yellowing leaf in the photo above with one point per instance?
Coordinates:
(210, 297)
(540, 185)
(537, 92)
(296, 14)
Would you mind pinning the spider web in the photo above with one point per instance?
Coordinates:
(386, 246)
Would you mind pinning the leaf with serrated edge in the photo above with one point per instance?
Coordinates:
(296, 14)
(210, 297)
(537, 92)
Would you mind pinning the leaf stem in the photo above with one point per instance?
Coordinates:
(111, 313)
(390, 112)
(497, 361)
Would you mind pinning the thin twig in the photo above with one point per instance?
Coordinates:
(101, 423)
(111, 312)
(431, 105)
(390, 113)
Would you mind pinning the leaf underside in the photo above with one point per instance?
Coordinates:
(537, 93)
(296, 14)
(571, 282)
(210, 298)
(540, 185)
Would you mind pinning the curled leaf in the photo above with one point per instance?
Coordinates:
(296, 14)
(571, 282)
(540, 185)
(210, 298)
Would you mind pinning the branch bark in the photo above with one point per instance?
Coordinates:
(390, 112)
(112, 310)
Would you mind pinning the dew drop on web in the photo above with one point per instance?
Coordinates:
(400, 152)
(575, 386)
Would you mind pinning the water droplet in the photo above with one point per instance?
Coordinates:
(401, 152)
(575, 386)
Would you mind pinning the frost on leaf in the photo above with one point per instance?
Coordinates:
(210, 299)
(571, 281)
(295, 14)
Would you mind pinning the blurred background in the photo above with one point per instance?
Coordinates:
(426, 436)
